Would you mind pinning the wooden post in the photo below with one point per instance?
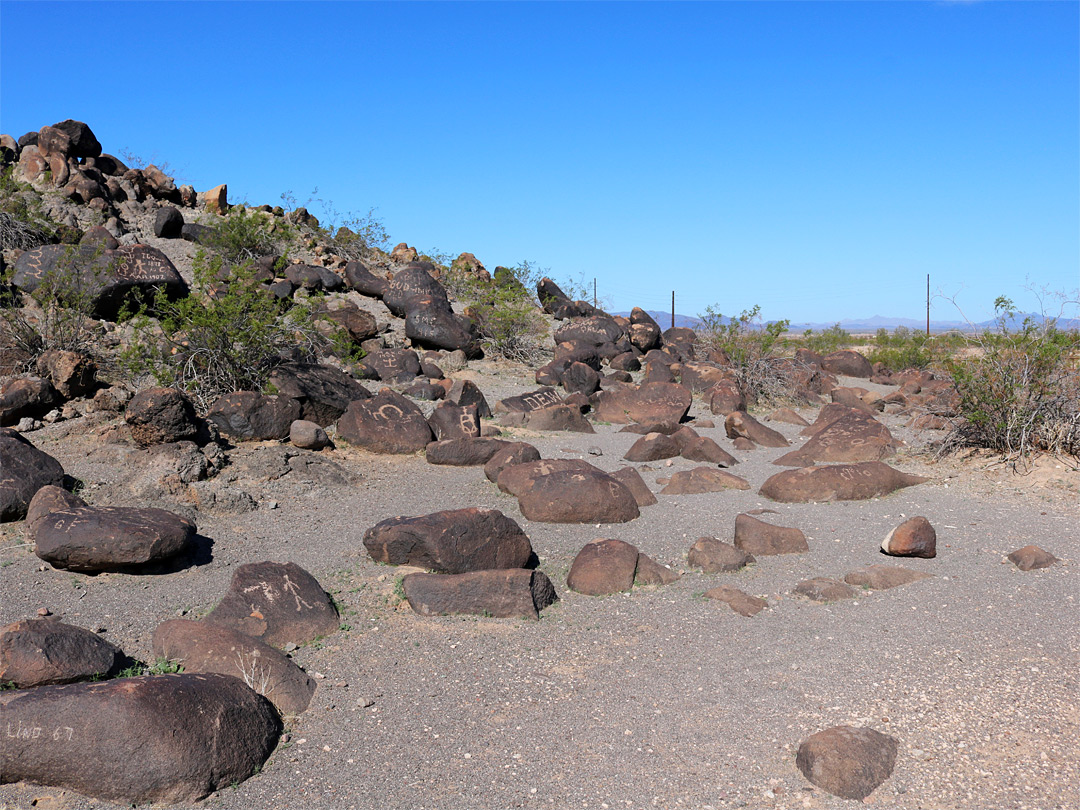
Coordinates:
(672, 309)
(594, 293)
(928, 305)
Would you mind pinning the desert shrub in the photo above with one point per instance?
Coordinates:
(244, 235)
(752, 349)
(505, 311)
(1019, 389)
(827, 340)
(23, 223)
(353, 236)
(210, 345)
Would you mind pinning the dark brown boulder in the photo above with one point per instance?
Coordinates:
(450, 542)
(577, 496)
(386, 423)
(838, 482)
(324, 392)
(432, 326)
(644, 332)
(763, 539)
(603, 567)
(563, 417)
(1029, 558)
(24, 397)
(358, 277)
(627, 361)
(824, 589)
(202, 647)
(651, 402)
(703, 479)
(167, 738)
(580, 377)
(594, 330)
(715, 556)
(81, 140)
(278, 603)
(851, 436)
(883, 577)
(529, 402)
(508, 456)
(846, 761)
(470, 451)
(412, 282)
(741, 424)
(653, 447)
(632, 480)
(23, 471)
(744, 444)
(725, 397)
(788, 416)
(71, 374)
(644, 428)
(161, 416)
(518, 478)
(847, 363)
(741, 602)
(914, 537)
(37, 652)
(450, 421)
(650, 572)
(359, 323)
(50, 499)
(701, 377)
(501, 594)
(249, 415)
(466, 392)
(858, 398)
(392, 365)
(114, 538)
(168, 223)
(702, 448)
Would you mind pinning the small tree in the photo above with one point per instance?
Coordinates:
(750, 348)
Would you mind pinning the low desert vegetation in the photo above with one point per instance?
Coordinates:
(752, 348)
(506, 311)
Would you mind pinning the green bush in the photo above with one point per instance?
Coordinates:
(750, 348)
(505, 312)
(244, 235)
(828, 340)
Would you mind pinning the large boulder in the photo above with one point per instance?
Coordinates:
(603, 567)
(758, 537)
(437, 327)
(324, 392)
(168, 738)
(846, 761)
(837, 482)
(847, 363)
(278, 603)
(500, 594)
(511, 454)
(81, 140)
(249, 415)
(651, 402)
(450, 421)
(644, 332)
(71, 374)
(38, 652)
(472, 451)
(391, 365)
(577, 496)
(653, 447)
(741, 424)
(914, 537)
(595, 330)
(529, 402)
(161, 416)
(847, 434)
(714, 556)
(386, 423)
(358, 277)
(451, 542)
(516, 479)
(413, 282)
(209, 647)
(464, 393)
(26, 397)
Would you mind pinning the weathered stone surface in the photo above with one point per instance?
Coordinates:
(469, 451)
(436, 327)
(466, 392)
(703, 479)
(24, 397)
(651, 402)
(81, 140)
(50, 499)
(627, 361)
(278, 603)
(741, 424)
(513, 453)
(168, 223)
(161, 416)
(307, 435)
(702, 448)
(744, 444)
(71, 374)
(742, 603)
(113, 538)
(632, 480)
(450, 542)
(414, 281)
(37, 652)
(653, 447)
(846, 761)
(518, 478)
(582, 378)
(761, 538)
(203, 647)
(595, 330)
(167, 738)
(883, 577)
(858, 398)
(563, 417)
(501, 594)
(603, 567)
(249, 415)
(577, 496)
(644, 332)
(386, 423)
(1031, 557)
(392, 365)
(848, 363)
(912, 538)
(644, 428)
(787, 415)
(838, 482)
(529, 402)
(324, 392)
(824, 589)
(725, 397)
(650, 572)
(715, 556)
(359, 323)
(849, 436)
(361, 279)
(450, 421)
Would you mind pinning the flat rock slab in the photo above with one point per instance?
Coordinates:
(209, 647)
(519, 478)
(740, 424)
(577, 496)
(912, 538)
(89, 539)
(471, 452)
(39, 652)
(742, 603)
(278, 603)
(166, 738)
(1031, 557)
(385, 423)
(451, 542)
(838, 482)
(532, 401)
(846, 761)
(758, 537)
(824, 589)
(714, 556)
(23, 471)
(603, 567)
(883, 577)
(651, 402)
(501, 594)
(703, 479)
(788, 416)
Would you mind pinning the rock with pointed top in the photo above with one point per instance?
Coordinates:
(1029, 558)
(846, 761)
(741, 424)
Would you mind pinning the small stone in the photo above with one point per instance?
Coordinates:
(289, 647)
(44, 612)
(1031, 557)
(595, 451)
(272, 505)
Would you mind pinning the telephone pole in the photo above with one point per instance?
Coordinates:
(672, 309)
(928, 305)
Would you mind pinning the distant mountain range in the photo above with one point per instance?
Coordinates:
(871, 325)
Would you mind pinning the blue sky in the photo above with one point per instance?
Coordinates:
(818, 159)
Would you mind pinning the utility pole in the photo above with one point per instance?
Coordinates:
(928, 305)
(672, 309)
(594, 293)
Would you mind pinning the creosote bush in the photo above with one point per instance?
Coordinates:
(245, 235)
(828, 340)
(505, 311)
(751, 349)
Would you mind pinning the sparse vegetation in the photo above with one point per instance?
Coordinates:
(750, 348)
(505, 311)
(827, 340)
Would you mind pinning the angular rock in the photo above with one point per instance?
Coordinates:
(761, 538)
(470, 451)
(741, 424)
(846, 761)
(715, 556)
(632, 480)
(81, 140)
(838, 482)
(824, 589)
(650, 402)
(563, 417)
(912, 538)
(644, 332)
(358, 277)
(653, 447)
(603, 567)
(249, 415)
(702, 448)
(202, 647)
(577, 496)
(386, 423)
(168, 738)
(627, 361)
(857, 398)
(466, 392)
(703, 479)
(38, 652)
(71, 374)
(883, 577)
(26, 397)
(501, 594)
(787, 415)
(529, 402)
(435, 327)
(450, 421)
(742, 603)
(392, 365)
(725, 397)
(513, 453)
(168, 223)
(324, 392)
(161, 416)
(451, 542)
(579, 377)
(650, 572)
(1031, 557)
(277, 603)
(359, 323)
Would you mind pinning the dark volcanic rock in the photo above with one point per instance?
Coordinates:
(501, 594)
(450, 542)
(465, 393)
(653, 447)
(278, 603)
(392, 365)
(603, 567)
(386, 423)
(651, 402)
(37, 652)
(912, 538)
(741, 424)
(450, 421)
(595, 330)
(513, 453)
(23, 471)
(702, 448)
(161, 416)
(518, 478)
(26, 397)
(70, 373)
(848, 435)
(414, 281)
(361, 279)
(848, 363)
(433, 327)
(471, 451)
(324, 392)
(715, 556)
(247, 415)
(632, 480)
(703, 479)
(650, 572)
(529, 402)
(761, 538)
(167, 738)
(577, 496)
(168, 223)
(839, 482)
(563, 417)
(846, 761)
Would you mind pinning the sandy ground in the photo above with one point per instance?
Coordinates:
(658, 698)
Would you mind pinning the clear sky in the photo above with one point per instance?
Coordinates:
(818, 159)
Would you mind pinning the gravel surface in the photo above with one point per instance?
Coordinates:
(659, 698)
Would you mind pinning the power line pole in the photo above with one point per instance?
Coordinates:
(594, 293)
(672, 309)
(928, 305)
